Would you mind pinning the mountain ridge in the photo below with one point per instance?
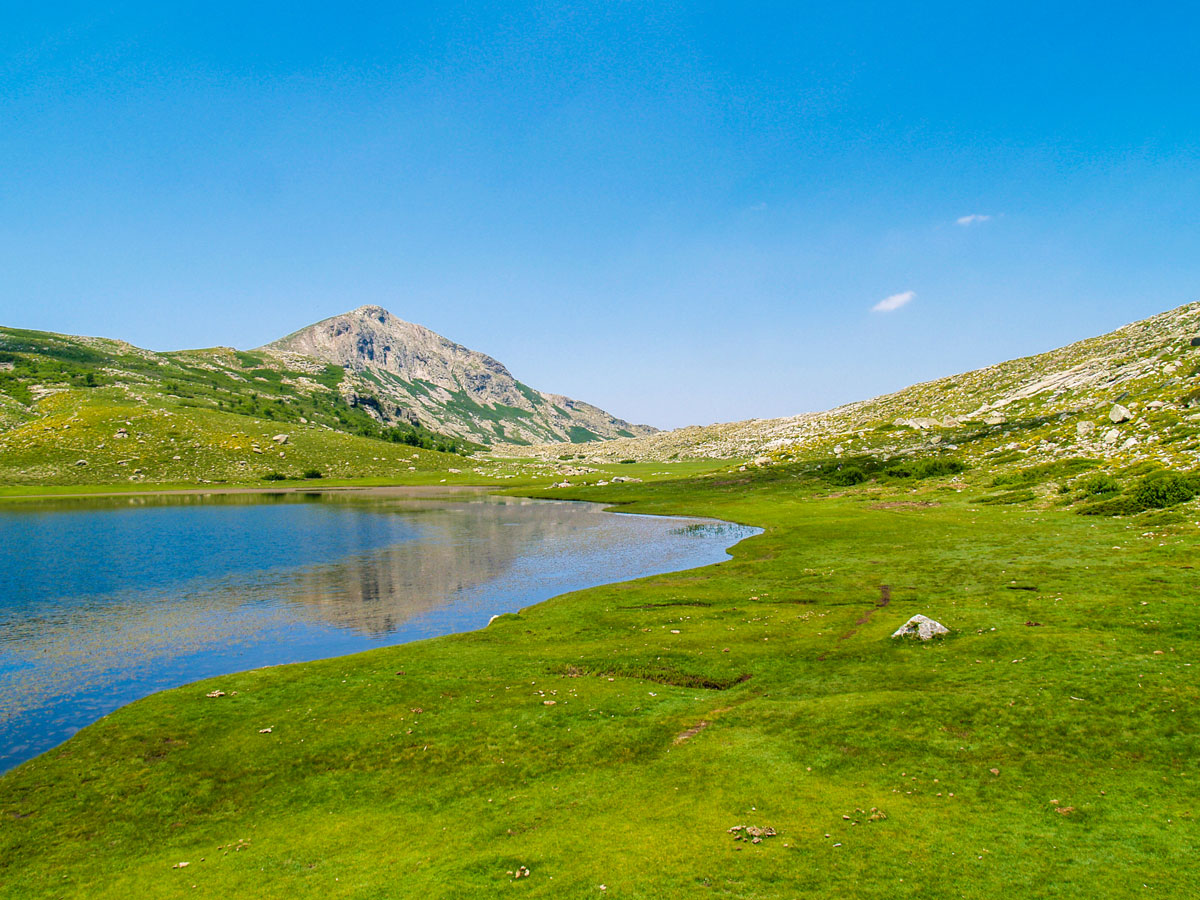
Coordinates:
(433, 381)
(1041, 406)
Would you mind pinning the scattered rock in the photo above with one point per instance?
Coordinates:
(1111, 436)
(1119, 414)
(81, 462)
(1083, 429)
(921, 423)
(922, 627)
(753, 833)
(280, 439)
(1155, 404)
(264, 731)
(995, 419)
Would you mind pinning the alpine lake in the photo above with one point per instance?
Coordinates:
(105, 600)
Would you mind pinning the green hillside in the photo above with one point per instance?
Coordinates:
(95, 411)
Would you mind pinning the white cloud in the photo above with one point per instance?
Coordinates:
(894, 302)
(973, 219)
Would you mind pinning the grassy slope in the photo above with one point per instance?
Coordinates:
(1034, 407)
(88, 410)
(441, 780)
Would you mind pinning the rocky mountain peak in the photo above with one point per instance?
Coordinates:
(422, 376)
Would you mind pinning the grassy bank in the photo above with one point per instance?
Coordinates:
(612, 737)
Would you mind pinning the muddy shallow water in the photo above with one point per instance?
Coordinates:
(103, 601)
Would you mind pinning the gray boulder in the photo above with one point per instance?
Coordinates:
(1119, 414)
(921, 627)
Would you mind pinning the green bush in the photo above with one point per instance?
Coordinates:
(1123, 505)
(926, 468)
(274, 476)
(1160, 490)
(847, 476)
(312, 473)
(1099, 484)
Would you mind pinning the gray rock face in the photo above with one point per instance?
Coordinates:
(443, 385)
(1119, 414)
(921, 627)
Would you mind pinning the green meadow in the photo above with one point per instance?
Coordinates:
(633, 740)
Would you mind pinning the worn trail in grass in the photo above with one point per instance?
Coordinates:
(1046, 747)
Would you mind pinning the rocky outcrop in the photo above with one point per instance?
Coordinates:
(399, 370)
(921, 627)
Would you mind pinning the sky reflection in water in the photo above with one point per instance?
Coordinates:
(104, 601)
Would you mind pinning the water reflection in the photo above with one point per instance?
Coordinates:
(107, 600)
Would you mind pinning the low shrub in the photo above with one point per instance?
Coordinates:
(847, 476)
(926, 468)
(312, 473)
(1123, 505)
(1160, 490)
(1099, 484)
(274, 476)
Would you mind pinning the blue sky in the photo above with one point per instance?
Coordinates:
(683, 212)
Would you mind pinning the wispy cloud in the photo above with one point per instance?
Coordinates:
(973, 219)
(894, 302)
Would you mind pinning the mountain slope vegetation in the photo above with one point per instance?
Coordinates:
(84, 410)
(1131, 396)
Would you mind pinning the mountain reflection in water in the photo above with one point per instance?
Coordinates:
(108, 599)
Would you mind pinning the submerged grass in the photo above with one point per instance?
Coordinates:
(611, 737)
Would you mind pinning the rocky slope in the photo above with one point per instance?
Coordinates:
(1131, 395)
(400, 371)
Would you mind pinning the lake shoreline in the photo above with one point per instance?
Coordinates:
(312, 574)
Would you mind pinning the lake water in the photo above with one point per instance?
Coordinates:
(103, 601)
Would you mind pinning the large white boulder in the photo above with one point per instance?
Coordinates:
(922, 627)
